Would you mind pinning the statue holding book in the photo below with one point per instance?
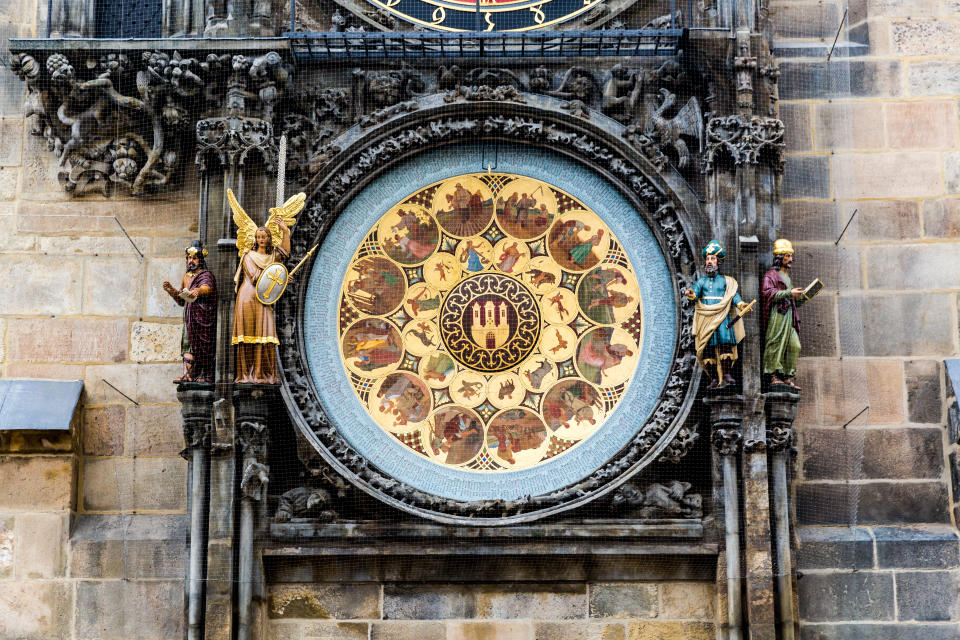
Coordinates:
(781, 323)
(717, 327)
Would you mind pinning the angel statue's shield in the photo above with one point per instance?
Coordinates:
(272, 283)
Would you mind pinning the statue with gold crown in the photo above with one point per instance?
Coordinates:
(717, 318)
(260, 279)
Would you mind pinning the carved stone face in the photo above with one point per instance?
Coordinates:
(710, 264)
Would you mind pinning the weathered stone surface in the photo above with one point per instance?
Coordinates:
(155, 342)
(933, 78)
(7, 546)
(796, 119)
(928, 595)
(902, 8)
(35, 610)
(555, 601)
(574, 630)
(102, 431)
(812, 220)
(849, 386)
(93, 245)
(871, 503)
(113, 609)
(36, 482)
(911, 266)
(142, 382)
(157, 301)
(818, 327)
(45, 371)
(895, 503)
(834, 548)
(501, 630)
(921, 125)
(843, 126)
(867, 320)
(40, 540)
(427, 602)
(882, 220)
(113, 288)
(154, 430)
(67, 340)
(11, 132)
(670, 631)
(930, 547)
(924, 391)
(806, 177)
(407, 630)
(839, 79)
(118, 484)
(687, 600)
(8, 183)
(618, 600)
(892, 631)
(874, 453)
(926, 37)
(905, 174)
(803, 20)
(941, 218)
(348, 601)
(45, 285)
(846, 596)
(97, 559)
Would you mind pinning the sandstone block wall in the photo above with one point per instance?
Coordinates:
(512, 611)
(91, 542)
(876, 131)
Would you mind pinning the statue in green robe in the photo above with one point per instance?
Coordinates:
(781, 324)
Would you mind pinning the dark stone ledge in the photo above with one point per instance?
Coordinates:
(183, 45)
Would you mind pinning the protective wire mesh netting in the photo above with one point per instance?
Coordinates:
(309, 521)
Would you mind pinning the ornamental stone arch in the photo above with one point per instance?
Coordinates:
(438, 136)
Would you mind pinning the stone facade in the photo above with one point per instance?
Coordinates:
(93, 540)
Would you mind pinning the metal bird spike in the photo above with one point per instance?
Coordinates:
(281, 169)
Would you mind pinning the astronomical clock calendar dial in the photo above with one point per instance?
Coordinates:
(490, 323)
(493, 15)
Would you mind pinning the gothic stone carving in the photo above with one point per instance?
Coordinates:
(304, 502)
(661, 434)
(115, 120)
(671, 500)
(744, 140)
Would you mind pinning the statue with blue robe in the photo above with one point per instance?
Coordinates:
(716, 334)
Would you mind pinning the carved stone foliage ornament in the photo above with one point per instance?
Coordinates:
(115, 120)
(325, 387)
(743, 140)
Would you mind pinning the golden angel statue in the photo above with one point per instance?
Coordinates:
(254, 330)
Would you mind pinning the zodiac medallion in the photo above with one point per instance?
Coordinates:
(490, 322)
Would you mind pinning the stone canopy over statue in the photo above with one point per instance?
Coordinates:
(198, 297)
(254, 329)
(716, 330)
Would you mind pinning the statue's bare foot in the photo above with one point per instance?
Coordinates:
(791, 381)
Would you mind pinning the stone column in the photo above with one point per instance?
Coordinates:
(196, 402)
(252, 410)
(726, 417)
(781, 409)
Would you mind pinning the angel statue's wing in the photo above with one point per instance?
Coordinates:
(287, 212)
(246, 228)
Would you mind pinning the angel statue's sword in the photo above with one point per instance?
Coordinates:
(281, 169)
(281, 179)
